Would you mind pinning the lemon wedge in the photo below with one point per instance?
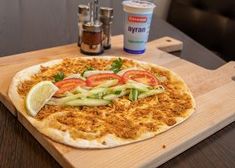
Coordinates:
(38, 96)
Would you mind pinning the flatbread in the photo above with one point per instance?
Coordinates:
(121, 123)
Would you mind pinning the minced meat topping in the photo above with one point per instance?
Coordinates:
(123, 118)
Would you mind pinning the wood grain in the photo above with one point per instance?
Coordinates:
(217, 151)
(169, 44)
(212, 113)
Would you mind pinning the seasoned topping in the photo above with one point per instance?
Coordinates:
(125, 118)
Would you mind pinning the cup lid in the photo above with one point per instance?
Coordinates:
(138, 6)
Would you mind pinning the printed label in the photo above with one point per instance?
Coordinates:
(137, 19)
(136, 31)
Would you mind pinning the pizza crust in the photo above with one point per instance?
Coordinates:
(65, 137)
(110, 140)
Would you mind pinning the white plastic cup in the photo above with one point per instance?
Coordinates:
(138, 16)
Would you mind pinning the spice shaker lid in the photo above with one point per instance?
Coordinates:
(92, 27)
(106, 11)
(83, 9)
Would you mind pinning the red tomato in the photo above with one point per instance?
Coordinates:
(97, 79)
(140, 76)
(68, 85)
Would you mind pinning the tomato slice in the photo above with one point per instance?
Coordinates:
(97, 79)
(140, 76)
(68, 85)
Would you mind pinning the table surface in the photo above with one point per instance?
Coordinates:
(24, 27)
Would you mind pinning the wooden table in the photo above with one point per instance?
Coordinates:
(24, 27)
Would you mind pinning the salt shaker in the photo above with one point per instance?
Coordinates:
(106, 17)
(83, 17)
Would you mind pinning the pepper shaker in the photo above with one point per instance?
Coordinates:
(106, 17)
(83, 17)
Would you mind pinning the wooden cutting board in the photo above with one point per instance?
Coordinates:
(214, 91)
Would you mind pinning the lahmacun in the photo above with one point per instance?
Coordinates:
(127, 100)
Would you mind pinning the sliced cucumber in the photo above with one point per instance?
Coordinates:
(110, 97)
(97, 91)
(115, 96)
(80, 90)
(62, 101)
(108, 83)
(96, 96)
(139, 86)
(151, 92)
(119, 88)
(118, 92)
(131, 85)
(88, 102)
(68, 94)
(133, 96)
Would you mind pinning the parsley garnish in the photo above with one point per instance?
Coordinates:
(118, 92)
(58, 77)
(87, 69)
(116, 65)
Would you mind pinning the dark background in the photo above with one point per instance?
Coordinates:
(27, 25)
(210, 22)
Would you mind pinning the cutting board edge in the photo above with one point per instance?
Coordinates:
(51, 150)
(8, 104)
(205, 134)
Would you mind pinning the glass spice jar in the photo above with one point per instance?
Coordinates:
(92, 38)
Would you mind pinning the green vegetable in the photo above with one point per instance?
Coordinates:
(131, 85)
(139, 86)
(96, 96)
(88, 102)
(117, 92)
(110, 97)
(133, 96)
(114, 96)
(158, 90)
(119, 88)
(88, 69)
(80, 90)
(58, 77)
(107, 83)
(97, 91)
(116, 65)
(62, 101)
